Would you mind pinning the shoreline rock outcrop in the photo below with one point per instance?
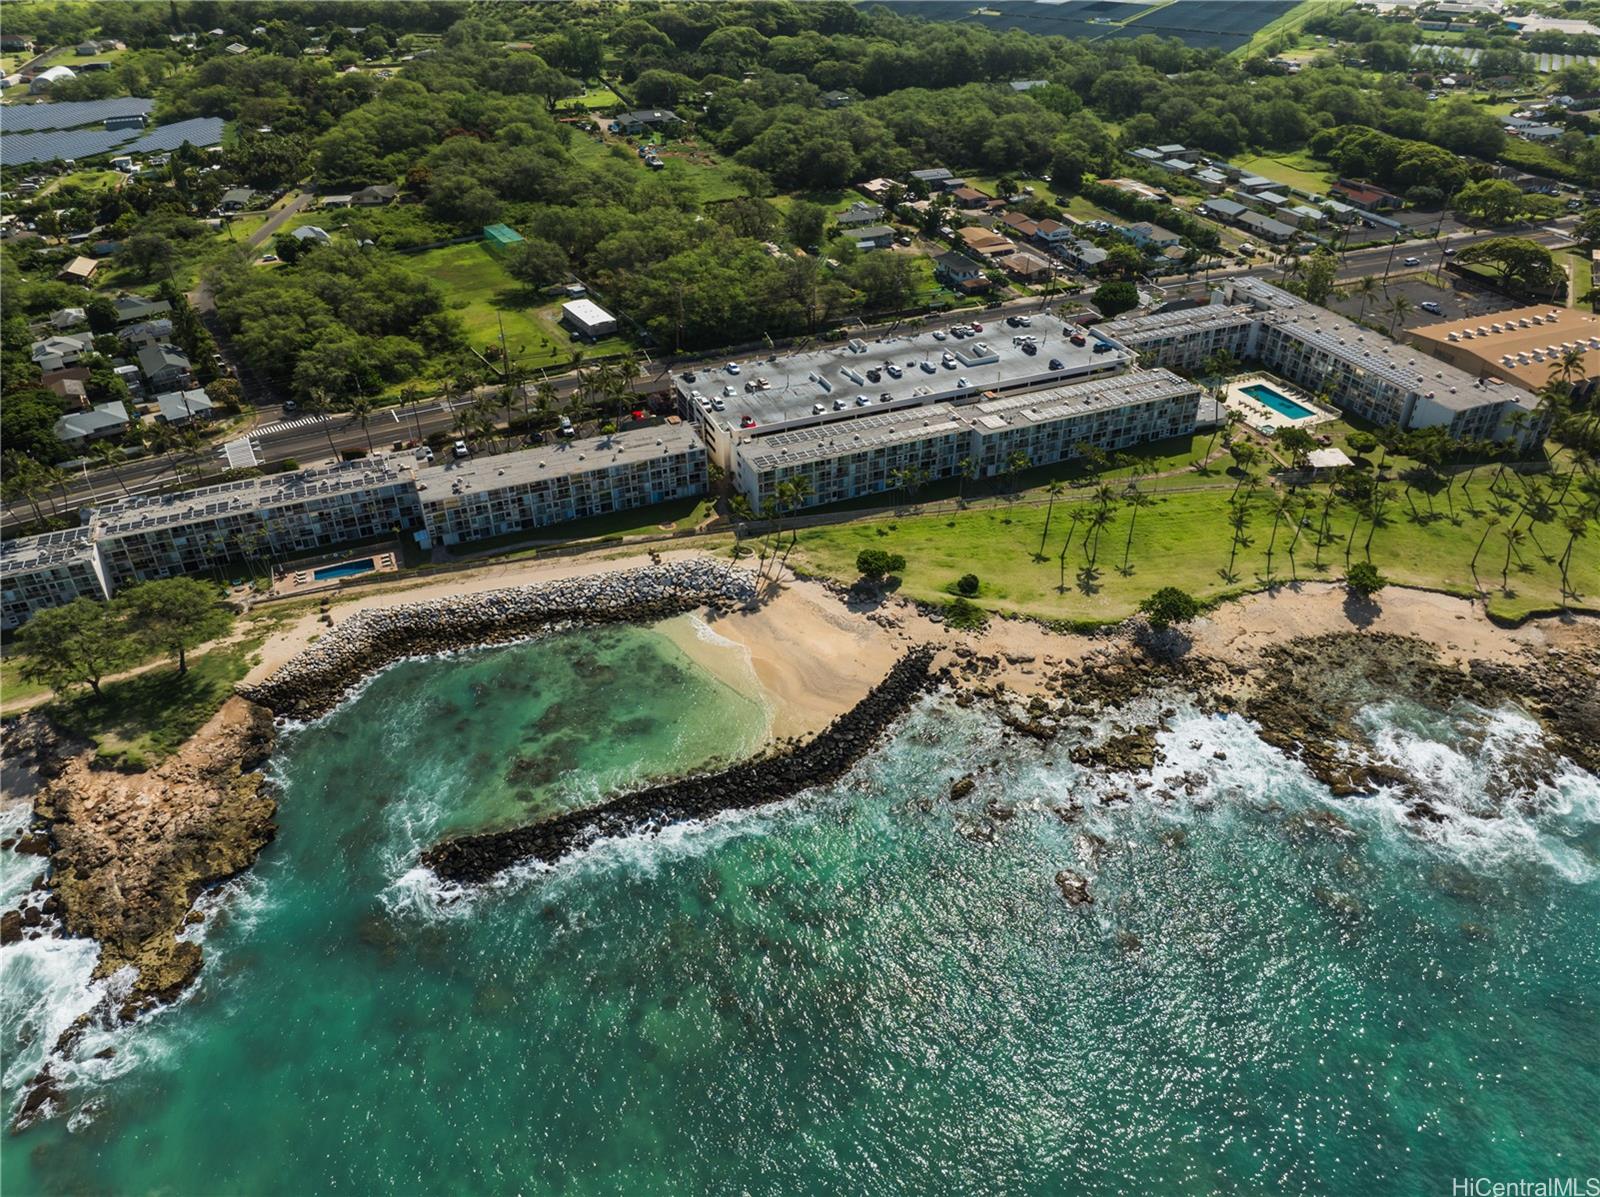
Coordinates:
(474, 859)
(317, 680)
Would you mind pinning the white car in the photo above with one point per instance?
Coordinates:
(728, 392)
(894, 371)
(940, 335)
(818, 408)
(461, 449)
(862, 401)
(733, 367)
(839, 404)
(1412, 262)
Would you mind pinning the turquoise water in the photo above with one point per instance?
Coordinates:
(867, 989)
(1278, 403)
(346, 570)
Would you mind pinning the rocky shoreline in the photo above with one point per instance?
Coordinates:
(318, 679)
(474, 859)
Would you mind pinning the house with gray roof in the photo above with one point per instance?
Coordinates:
(100, 421)
(163, 366)
(181, 407)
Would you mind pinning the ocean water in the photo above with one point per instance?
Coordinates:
(866, 988)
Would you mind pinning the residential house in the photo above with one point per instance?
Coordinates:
(837, 99)
(873, 236)
(1020, 225)
(969, 197)
(336, 201)
(879, 189)
(1081, 255)
(1251, 184)
(1266, 227)
(183, 407)
(858, 214)
(1149, 236)
(137, 307)
(12, 43)
(1222, 209)
(1365, 195)
(646, 120)
(1054, 232)
(67, 318)
(74, 395)
(1027, 84)
(375, 196)
(163, 367)
(236, 48)
(78, 270)
(1026, 265)
(955, 270)
(311, 233)
(54, 352)
(146, 332)
(983, 241)
(1304, 215)
(1211, 179)
(99, 422)
(933, 177)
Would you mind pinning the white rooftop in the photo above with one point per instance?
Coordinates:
(580, 456)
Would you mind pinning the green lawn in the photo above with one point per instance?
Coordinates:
(483, 295)
(1183, 539)
(142, 719)
(1290, 23)
(595, 97)
(1294, 170)
(676, 516)
(13, 687)
(1582, 276)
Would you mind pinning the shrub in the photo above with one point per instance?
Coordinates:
(1364, 579)
(1168, 606)
(878, 564)
(967, 584)
(959, 613)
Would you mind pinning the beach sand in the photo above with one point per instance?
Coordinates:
(811, 657)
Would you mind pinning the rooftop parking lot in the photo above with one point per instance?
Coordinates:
(891, 372)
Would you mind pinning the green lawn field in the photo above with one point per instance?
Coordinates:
(1294, 170)
(1184, 539)
(483, 295)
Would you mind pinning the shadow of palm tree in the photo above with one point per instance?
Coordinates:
(1360, 609)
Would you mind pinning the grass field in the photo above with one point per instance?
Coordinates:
(1294, 170)
(483, 295)
(594, 97)
(1183, 539)
(1289, 23)
(1582, 277)
(144, 718)
(13, 688)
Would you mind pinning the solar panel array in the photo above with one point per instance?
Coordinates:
(70, 114)
(201, 131)
(18, 149)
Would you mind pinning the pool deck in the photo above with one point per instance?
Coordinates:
(304, 579)
(1261, 418)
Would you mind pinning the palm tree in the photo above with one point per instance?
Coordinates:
(1568, 366)
(799, 492)
(1514, 537)
(107, 455)
(361, 410)
(739, 508)
(1238, 520)
(1398, 307)
(1053, 489)
(1364, 288)
(966, 471)
(1280, 508)
(409, 394)
(318, 404)
(1577, 527)
(1488, 527)
(1135, 499)
(22, 480)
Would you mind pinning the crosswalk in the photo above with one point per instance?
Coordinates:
(286, 425)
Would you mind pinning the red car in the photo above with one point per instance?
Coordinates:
(976, 327)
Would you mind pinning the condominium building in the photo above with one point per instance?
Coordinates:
(518, 492)
(160, 536)
(47, 571)
(885, 452)
(1358, 370)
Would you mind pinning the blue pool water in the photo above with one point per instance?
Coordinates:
(344, 569)
(1278, 403)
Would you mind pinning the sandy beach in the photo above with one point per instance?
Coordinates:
(812, 656)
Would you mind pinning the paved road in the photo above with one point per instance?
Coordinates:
(200, 297)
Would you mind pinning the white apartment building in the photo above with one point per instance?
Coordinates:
(47, 571)
(518, 492)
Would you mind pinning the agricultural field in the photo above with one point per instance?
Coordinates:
(1224, 24)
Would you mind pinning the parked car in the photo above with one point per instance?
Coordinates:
(733, 367)
(461, 449)
(1428, 305)
(566, 429)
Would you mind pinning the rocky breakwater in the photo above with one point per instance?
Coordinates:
(315, 681)
(474, 859)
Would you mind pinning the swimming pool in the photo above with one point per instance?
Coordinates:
(344, 569)
(1268, 397)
